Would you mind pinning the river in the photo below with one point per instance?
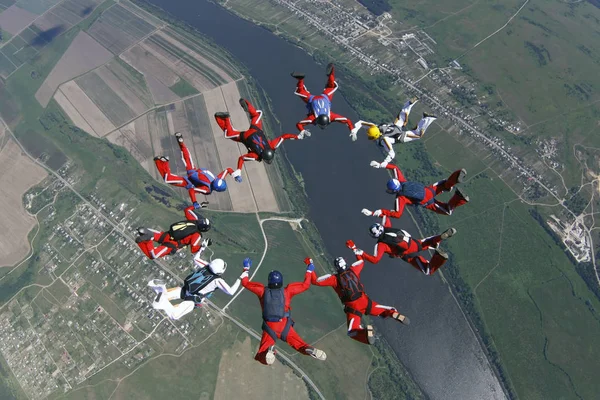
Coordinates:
(438, 348)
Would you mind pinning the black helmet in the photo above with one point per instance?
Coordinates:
(322, 120)
(268, 155)
(203, 224)
(275, 280)
(340, 264)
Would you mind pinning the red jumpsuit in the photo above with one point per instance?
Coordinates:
(407, 250)
(168, 246)
(293, 339)
(198, 179)
(429, 202)
(357, 308)
(329, 90)
(256, 124)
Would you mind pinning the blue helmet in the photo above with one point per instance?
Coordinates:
(393, 186)
(218, 185)
(275, 280)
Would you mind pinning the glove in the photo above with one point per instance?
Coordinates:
(207, 242)
(377, 213)
(367, 212)
(353, 133)
(358, 252)
(237, 174)
(305, 133)
(375, 164)
(247, 263)
(204, 204)
(196, 205)
(189, 186)
(350, 244)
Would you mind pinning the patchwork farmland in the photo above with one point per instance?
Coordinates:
(128, 77)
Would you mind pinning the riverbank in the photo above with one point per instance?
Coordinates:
(451, 363)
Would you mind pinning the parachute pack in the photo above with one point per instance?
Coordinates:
(274, 305)
(197, 281)
(257, 142)
(350, 286)
(182, 229)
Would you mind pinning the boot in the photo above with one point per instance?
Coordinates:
(222, 115)
(297, 75)
(448, 233)
(439, 258)
(370, 334)
(414, 100)
(457, 200)
(161, 158)
(401, 318)
(454, 178)
(425, 115)
(316, 353)
(179, 137)
(270, 358)
(329, 69)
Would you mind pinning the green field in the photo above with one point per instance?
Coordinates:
(97, 167)
(183, 88)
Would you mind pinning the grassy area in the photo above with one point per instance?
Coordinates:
(498, 304)
(110, 170)
(183, 88)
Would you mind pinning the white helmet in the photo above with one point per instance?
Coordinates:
(217, 266)
(340, 264)
(376, 230)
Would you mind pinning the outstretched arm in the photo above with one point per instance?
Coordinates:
(198, 261)
(191, 215)
(223, 175)
(389, 149)
(340, 118)
(242, 159)
(298, 287)
(275, 143)
(380, 249)
(397, 172)
(309, 120)
(325, 280)
(358, 265)
(400, 204)
(230, 290)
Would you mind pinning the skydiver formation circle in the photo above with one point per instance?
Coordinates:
(274, 298)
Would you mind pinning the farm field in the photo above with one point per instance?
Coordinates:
(19, 173)
(83, 54)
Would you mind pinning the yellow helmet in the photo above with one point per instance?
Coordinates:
(373, 133)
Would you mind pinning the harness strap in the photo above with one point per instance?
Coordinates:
(163, 237)
(369, 306)
(405, 257)
(352, 311)
(432, 200)
(284, 333)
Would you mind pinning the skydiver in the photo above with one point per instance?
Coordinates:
(198, 180)
(398, 243)
(347, 285)
(259, 147)
(179, 235)
(196, 287)
(319, 106)
(277, 320)
(415, 193)
(386, 135)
